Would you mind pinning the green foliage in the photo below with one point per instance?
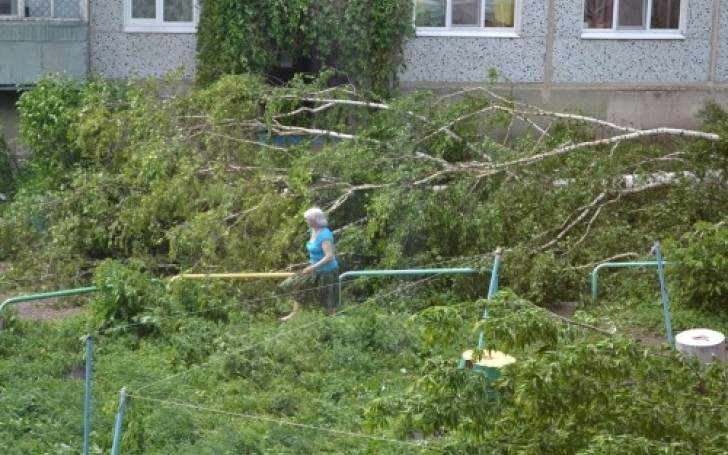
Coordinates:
(568, 392)
(8, 168)
(699, 264)
(164, 184)
(126, 295)
(363, 39)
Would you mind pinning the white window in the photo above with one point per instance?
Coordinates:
(634, 19)
(42, 9)
(161, 16)
(467, 17)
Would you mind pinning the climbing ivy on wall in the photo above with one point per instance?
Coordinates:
(363, 39)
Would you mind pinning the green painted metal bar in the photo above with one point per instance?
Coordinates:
(492, 290)
(116, 443)
(664, 298)
(402, 272)
(47, 295)
(87, 395)
(616, 265)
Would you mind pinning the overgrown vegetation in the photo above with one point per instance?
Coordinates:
(130, 186)
(8, 168)
(362, 39)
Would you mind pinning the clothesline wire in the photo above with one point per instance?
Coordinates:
(286, 332)
(285, 422)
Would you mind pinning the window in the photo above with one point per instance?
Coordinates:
(45, 9)
(8, 7)
(633, 19)
(466, 17)
(163, 16)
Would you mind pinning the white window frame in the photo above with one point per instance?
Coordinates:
(636, 34)
(493, 32)
(158, 25)
(83, 9)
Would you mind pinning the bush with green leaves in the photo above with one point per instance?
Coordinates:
(127, 298)
(699, 265)
(571, 390)
(362, 39)
(138, 185)
(191, 181)
(8, 168)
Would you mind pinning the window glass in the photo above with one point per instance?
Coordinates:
(466, 12)
(38, 8)
(500, 13)
(598, 13)
(632, 14)
(67, 8)
(8, 7)
(178, 10)
(430, 13)
(143, 9)
(665, 14)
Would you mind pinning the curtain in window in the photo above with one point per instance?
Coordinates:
(632, 13)
(143, 9)
(598, 13)
(466, 12)
(665, 14)
(499, 13)
(178, 10)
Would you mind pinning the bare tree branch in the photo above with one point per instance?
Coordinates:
(630, 254)
(610, 140)
(350, 192)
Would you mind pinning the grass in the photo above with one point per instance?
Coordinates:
(317, 371)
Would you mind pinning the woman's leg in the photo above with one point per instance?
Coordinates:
(296, 287)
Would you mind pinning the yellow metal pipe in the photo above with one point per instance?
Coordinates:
(242, 275)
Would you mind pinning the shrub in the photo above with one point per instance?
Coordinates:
(700, 261)
(127, 296)
(8, 169)
(364, 39)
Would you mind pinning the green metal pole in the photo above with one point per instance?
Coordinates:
(403, 272)
(492, 290)
(47, 295)
(87, 396)
(615, 265)
(664, 298)
(116, 444)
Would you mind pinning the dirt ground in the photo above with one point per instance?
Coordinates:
(44, 310)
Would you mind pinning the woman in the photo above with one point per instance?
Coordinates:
(321, 276)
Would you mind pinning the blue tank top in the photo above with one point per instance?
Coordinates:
(316, 251)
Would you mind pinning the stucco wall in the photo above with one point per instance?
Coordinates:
(721, 65)
(579, 60)
(119, 55)
(574, 60)
(457, 59)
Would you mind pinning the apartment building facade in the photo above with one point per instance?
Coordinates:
(643, 61)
